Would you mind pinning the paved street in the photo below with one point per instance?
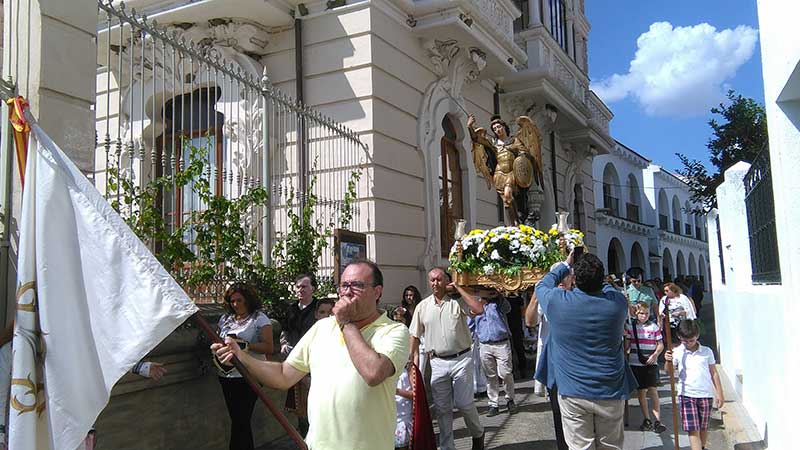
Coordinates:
(532, 427)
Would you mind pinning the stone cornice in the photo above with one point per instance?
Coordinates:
(667, 236)
(623, 224)
(630, 157)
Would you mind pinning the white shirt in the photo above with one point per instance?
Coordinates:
(694, 375)
(680, 303)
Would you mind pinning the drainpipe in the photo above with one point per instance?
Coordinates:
(553, 167)
(302, 156)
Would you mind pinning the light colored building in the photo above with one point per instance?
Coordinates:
(402, 75)
(385, 85)
(755, 246)
(644, 218)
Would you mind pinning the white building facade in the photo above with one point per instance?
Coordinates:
(644, 218)
(402, 75)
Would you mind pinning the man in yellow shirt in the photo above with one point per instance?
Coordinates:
(355, 359)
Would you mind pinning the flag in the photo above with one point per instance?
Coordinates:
(91, 302)
(422, 437)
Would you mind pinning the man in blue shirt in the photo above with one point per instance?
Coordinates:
(584, 354)
(496, 360)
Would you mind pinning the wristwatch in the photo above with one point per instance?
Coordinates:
(342, 325)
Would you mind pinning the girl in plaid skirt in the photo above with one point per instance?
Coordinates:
(699, 387)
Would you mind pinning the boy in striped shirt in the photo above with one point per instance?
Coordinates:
(644, 343)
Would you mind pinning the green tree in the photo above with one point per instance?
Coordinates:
(740, 135)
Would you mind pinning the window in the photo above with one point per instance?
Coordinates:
(760, 205)
(190, 121)
(577, 207)
(558, 23)
(451, 206)
(521, 23)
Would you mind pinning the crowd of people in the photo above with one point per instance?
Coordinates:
(362, 377)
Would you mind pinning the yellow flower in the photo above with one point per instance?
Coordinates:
(475, 231)
(505, 236)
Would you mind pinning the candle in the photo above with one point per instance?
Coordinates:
(461, 226)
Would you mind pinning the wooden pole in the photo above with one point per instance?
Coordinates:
(671, 372)
(254, 384)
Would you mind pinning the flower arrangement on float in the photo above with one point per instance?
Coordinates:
(509, 258)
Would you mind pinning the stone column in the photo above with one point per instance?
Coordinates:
(50, 53)
(534, 14)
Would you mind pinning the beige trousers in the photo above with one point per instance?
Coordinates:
(592, 424)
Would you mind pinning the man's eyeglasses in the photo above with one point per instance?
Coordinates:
(355, 286)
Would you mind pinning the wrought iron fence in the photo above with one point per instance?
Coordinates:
(162, 95)
(760, 205)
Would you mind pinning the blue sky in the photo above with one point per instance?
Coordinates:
(661, 105)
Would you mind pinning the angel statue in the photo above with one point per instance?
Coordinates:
(513, 165)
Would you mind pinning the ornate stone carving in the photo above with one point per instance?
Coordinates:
(455, 65)
(497, 17)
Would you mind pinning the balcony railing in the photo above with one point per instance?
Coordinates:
(632, 212)
(663, 222)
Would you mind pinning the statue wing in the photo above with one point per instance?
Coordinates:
(530, 138)
(484, 156)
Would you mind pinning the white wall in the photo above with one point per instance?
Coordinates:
(749, 327)
(757, 325)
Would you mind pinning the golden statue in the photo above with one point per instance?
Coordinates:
(513, 165)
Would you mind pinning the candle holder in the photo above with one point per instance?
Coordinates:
(562, 227)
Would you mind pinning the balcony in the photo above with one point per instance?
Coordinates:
(632, 212)
(663, 222)
(484, 24)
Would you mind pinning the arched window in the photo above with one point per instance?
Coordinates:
(632, 208)
(191, 123)
(451, 206)
(676, 215)
(577, 207)
(663, 211)
(611, 190)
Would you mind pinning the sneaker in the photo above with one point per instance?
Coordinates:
(493, 411)
(512, 407)
(477, 443)
(659, 427)
(646, 425)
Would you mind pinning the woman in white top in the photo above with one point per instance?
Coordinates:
(253, 330)
(680, 307)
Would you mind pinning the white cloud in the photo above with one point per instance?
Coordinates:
(681, 71)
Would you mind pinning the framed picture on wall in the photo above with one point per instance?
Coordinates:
(348, 246)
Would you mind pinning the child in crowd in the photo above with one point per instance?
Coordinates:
(324, 308)
(698, 382)
(404, 397)
(645, 344)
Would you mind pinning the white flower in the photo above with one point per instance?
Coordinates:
(495, 254)
(488, 269)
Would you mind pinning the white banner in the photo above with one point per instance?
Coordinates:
(91, 302)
